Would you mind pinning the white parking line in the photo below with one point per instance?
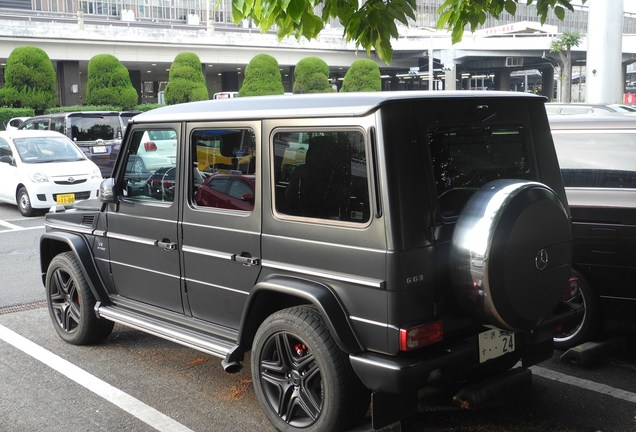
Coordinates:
(9, 225)
(133, 406)
(13, 228)
(584, 384)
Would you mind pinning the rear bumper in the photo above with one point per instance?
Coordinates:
(409, 372)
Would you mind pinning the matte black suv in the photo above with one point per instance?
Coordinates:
(392, 240)
(597, 156)
(97, 133)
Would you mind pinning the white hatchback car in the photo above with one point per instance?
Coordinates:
(40, 169)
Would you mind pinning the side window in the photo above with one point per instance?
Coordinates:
(57, 125)
(223, 169)
(321, 174)
(5, 150)
(467, 157)
(42, 124)
(151, 166)
(585, 163)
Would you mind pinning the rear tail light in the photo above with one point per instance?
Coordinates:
(412, 338)
(571, 290)
(150, 146)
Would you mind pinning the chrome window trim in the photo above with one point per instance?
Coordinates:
(75, 228)
(129, 238)
(330, 244)
(207, 252)
(145, 269)
(343, 277)
(224, 288)
(366, 321)
(221, 228)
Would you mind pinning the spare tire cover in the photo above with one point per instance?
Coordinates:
(511, 254)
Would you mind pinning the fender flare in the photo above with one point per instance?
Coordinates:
(54, 243)
(279, 292)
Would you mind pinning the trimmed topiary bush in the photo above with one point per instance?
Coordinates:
(108, 83)
(186, 82)
(262, 77)
(7, 114)
(363, 75)
(72, 108)
(311, 75)
(30, 80)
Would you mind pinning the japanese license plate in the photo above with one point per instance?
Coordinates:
(99, 149)
(65, 198)
(495, 343)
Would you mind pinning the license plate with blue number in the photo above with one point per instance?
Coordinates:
(495, 343)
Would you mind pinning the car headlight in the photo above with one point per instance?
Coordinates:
(96, 174)
(38, 177)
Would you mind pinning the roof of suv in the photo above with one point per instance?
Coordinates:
(588, 122)
(306, 105)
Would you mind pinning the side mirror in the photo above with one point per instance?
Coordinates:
(8, 160)
(107, 191)
(248, 198)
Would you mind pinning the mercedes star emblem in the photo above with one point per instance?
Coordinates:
(541, 260)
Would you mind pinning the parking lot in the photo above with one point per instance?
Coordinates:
(137, 382)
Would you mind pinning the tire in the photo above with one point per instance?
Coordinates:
(573, 334)
(511, 254)
(302, 380)
(71, 303)
(24, 202)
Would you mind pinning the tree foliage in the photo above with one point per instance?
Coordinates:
(262, 77)
(373, 23)
(363, 75)
(108, 83)
(186, 82)
(311, 75)
(457, 14)
(30, 80)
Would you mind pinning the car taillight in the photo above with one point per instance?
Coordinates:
(420, 336)
(150, 146)
(571, 290)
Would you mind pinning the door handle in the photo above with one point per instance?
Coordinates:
(166, 244)
(246, 260)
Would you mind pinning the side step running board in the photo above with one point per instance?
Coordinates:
(184, 336)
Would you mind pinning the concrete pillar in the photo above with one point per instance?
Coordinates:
(70, 90)
(547, 82)
(604, 51)
(135, 79)
(502, 79)
(229, 81)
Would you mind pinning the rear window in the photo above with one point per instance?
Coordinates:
(604, 159)
(94, 127)
(467, 157)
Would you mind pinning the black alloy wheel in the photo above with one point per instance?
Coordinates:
(303, 381)
(71, 303)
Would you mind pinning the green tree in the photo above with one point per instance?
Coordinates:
(30, 80)
(373, 23)
(186, 82)
(363, 75)
(563, 46)
(262, 77)
(108, 83)
(311, 75)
